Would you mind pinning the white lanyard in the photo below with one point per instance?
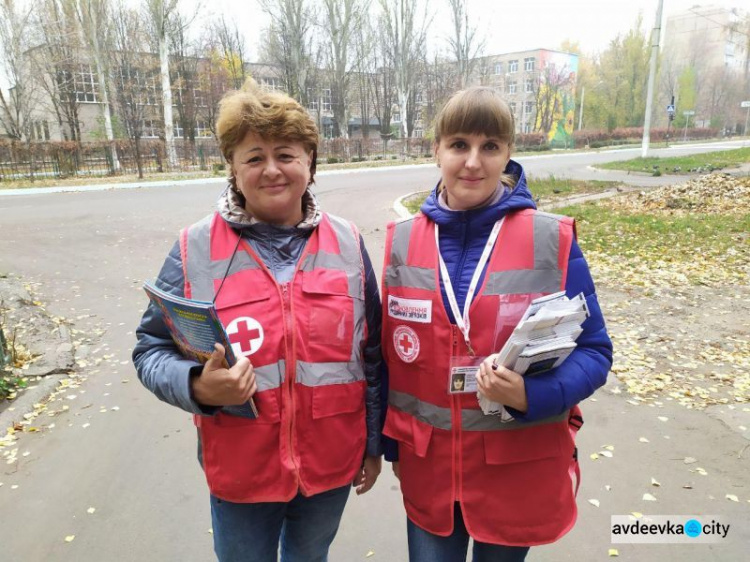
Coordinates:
(462, 320)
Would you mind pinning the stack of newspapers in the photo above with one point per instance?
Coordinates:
(543, 338)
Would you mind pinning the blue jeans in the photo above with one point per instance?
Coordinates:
(426, 547)
(251, 532)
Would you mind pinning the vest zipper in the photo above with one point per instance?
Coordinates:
(290, 363)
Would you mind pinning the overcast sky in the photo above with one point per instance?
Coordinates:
(508, 26)
(513, 26)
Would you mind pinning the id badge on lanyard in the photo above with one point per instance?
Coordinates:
(463, 374)
(463, 369)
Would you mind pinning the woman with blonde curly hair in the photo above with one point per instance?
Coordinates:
(295, 290)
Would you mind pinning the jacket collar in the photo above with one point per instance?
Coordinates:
(504, 201)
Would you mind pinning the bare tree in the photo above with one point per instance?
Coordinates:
(234, 52)
(465, 45)
(383, 88)
(134, 70)
(184, 79)
(404, 34)
(214, 79)
(57, 64)
(16, 107)
(290, 43)
(365, 67)
(94, 17)
(161, 14)
(341, 22)
(439, 82)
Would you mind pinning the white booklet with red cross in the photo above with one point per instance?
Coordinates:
(195, 328)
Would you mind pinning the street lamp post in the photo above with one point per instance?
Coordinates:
(580, 111)
(651, 78)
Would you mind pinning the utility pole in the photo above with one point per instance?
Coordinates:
(651, 78)
(580, 112)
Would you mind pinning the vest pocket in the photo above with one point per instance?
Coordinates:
(525, 444)
(330, 324)
(240, 455)
(408, 431)
(334, 399)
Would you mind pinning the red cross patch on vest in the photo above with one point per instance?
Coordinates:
(406, 342)
(246, 335)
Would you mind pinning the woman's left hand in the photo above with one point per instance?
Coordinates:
(367, 475)
(502, 385)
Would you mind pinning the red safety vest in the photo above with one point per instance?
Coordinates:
(305, 340)
(513, 480)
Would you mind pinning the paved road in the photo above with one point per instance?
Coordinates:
(90, 253)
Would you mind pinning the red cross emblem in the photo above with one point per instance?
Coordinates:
(245, 335)
(406, 343)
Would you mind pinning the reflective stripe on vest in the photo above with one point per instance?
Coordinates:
(544, 278)
(398, 274)
(471, 420)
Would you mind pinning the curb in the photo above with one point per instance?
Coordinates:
(48, 341)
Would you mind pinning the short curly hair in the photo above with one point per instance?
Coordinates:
(270, 115)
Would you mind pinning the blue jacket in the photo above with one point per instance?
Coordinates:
(463, 235)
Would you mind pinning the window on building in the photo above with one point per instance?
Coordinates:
(151, 129)
(528, 85)
(513, 66)
(202, 130)
(511, 87)
(177, 130)
(527, 127)
(326, 99)
(396, 117)
(152, 89)
(528, 107)
(513, 107)
(199, 98)
(85, 84)
(312, 99)
(39, 130)
(528, 64)
(271, 83)
(498, 68)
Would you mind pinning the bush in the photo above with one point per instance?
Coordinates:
(218, 168)
(332, 160)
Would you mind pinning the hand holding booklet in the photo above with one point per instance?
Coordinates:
(195, 328)
(544, 337)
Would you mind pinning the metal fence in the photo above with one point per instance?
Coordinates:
(31, 161)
